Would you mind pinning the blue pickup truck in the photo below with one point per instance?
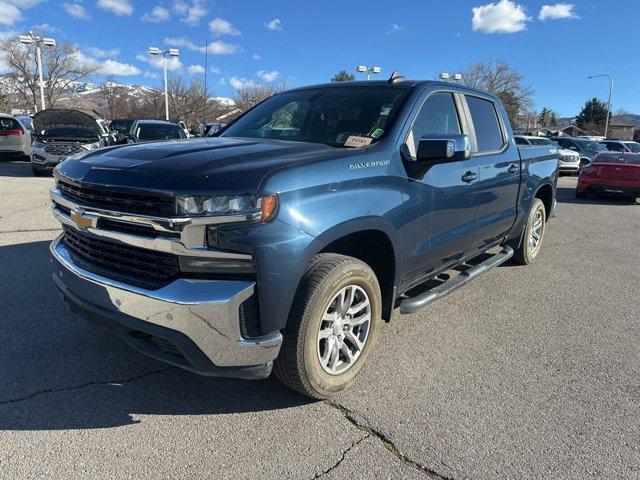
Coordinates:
(283, 243)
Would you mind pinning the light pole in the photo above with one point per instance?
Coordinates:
(40, 42)
(456, 77)
(173, 52)
(606, 127)
(368, 70)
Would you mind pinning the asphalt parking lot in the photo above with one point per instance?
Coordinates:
(529, 372)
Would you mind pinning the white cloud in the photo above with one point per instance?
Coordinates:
(76, 10)
(173, 63)
(504, 16)
(118, 7)
(195, 69)
(255, 56)
(45, 27)
(557, 11)
(215, 70)
(194, 13)
(395, 28)
(214, 48)
(101, 53)
(274, 24)
(113, 67)
(220, 27)
(148, 74)
(222, 48)
(157, 15)
(266, 76)
(222, 81)
(238, 83)
(9, 14)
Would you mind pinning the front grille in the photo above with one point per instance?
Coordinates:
(126, 202)
(63, 148)
(122, 259)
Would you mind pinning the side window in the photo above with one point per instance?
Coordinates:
(522, 141)
(616, 147)
(486, 124)
(437, 115)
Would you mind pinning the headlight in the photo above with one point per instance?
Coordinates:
(37, 144)
(256, 208)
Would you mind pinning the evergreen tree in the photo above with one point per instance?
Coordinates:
(343, 76)
(594, 112)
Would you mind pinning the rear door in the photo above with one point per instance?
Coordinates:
(439, 208)
(498, 161)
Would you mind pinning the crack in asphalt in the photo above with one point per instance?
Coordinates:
(84, 385)
(344, 454)
(386, 442)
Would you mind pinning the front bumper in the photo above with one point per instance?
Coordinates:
(40, 157)
(193, 324)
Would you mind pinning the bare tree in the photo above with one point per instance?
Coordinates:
(61, 67)
(499, 78)
(250, 94)
(118, 101)
(187, 101)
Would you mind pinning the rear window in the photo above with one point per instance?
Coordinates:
(485, 124)
(541, 141)
(9, 124)
(629, 158)
(633, 146)
(159, 132)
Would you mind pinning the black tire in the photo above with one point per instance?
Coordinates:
(298, 365)
(523, 255)
(39, 171)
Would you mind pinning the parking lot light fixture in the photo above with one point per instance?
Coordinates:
(30, 39)
(450, 77)
(606, 126)
(368, 70)
(172, 52)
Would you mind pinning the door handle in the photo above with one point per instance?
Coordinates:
(469, 177)
(513, 169)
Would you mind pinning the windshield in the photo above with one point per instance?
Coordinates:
(590, 145)
(629, 158)
(633, 146)
(339, 117)
(121, 126)
(150, 131)
(68, 132)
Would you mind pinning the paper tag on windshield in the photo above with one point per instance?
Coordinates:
(356, 141)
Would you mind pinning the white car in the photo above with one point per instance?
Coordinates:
(15, 139)
(568, 160)
(60, 133)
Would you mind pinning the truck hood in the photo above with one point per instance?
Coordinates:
(62, 117)
(194, 167)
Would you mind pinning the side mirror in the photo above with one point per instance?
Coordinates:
(443, 148)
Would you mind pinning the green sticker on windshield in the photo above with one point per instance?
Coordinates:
(377, 133)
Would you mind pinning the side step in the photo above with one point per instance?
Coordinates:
(469, 272)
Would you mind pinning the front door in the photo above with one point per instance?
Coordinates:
(439, 204)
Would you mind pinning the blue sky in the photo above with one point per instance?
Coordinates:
(302, 42)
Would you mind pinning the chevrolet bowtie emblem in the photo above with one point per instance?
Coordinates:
(82, 220)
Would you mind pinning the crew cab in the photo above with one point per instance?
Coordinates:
(285, 242)
(60, 133)
(569, 161)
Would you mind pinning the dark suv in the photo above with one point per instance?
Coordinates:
(585, 147)
(154, 131)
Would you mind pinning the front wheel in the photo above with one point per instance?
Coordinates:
(533, 236)
(38, 171)
(333, 326)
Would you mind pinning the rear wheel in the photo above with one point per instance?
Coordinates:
(533, 235)
(333, 326)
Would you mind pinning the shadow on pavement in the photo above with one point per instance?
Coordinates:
(13, 168)
(59, 372)
(568, 195)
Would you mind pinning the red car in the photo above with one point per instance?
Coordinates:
(611, 173)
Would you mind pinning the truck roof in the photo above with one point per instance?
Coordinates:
(401, 84)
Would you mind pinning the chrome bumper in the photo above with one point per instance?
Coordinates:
(205, 311)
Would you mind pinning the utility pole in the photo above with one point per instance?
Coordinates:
(173, 52)
(606, 127)
(39, 42)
